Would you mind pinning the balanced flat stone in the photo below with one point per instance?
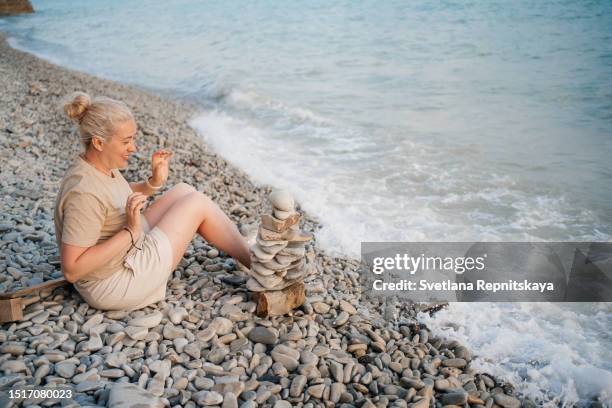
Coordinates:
(282, 215)
(289, 250)
(286, 259)
(274, 224)
(274, 249)
(282, 200)
(288, 235)
(261, 255)
(275, 266)
(261, 269)
(268, 282)
(266, 243)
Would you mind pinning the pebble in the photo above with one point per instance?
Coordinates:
(341, 319)
(229, 400)
(208, 398)
(454, 362)
(116, 359)
(454, 398)
(347, 307)
(65, 369)
(180, 343)
(316, 391)
(13, 366)
(297, 385)
(149, 321)
(263, 335)
(124, 395)
(92, 322)
(16, 349)
(136, 332)
(221, 326)
(177, 315)
(41, 317)
(172, 332)
(506, 401)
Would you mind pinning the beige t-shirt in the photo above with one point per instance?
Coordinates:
(89, 209)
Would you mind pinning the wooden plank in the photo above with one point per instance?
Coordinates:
(11, 310)
(43, 286)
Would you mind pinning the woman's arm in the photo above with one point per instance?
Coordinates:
(159, 170)
(145, 188)
(78, 262)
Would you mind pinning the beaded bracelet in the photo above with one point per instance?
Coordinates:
(132, 238)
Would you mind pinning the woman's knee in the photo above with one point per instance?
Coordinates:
(184, 188)
(201, 199)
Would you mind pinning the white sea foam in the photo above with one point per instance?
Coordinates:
(565, 349)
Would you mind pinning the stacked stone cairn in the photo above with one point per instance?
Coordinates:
(278, 258)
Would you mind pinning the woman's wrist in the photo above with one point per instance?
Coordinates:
(153, 186)
(134, 235)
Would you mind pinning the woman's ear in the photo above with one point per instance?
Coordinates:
(97, 143)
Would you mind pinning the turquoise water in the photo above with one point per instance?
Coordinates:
(391, 121)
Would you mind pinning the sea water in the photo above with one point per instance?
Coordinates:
(395, 121)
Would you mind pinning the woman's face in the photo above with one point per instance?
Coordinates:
(117, 151)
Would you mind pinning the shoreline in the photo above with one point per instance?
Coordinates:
(36, 149)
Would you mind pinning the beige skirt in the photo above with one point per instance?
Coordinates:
(142, 280)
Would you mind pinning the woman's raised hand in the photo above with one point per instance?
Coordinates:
(134, 205)
(159, 166)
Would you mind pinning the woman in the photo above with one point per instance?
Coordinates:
(117, 257)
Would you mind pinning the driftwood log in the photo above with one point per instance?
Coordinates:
(279, 302)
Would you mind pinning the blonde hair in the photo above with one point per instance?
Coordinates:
(98, 117)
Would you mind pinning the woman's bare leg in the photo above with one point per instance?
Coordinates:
(197, 213)
(156, 211)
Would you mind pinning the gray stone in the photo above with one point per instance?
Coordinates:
(41, 317)
(13, 366)
(65, 369)
(454, 398)
(297, 385)
(341, 319)
(126, 395)
(87, 386)
(208, 398)
(263, 335)
(179, 344)
(506, 401)
(92, 322)
(136, 332)
(222, 326)
(115, 360)
(454, 362)
(177, 315)
(13, 348)
(316, 391)
(229, 400)
(149, 321)
(172, 332)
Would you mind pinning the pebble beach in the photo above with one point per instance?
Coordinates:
(203, 345)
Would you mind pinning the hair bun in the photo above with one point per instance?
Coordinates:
(77, 105)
